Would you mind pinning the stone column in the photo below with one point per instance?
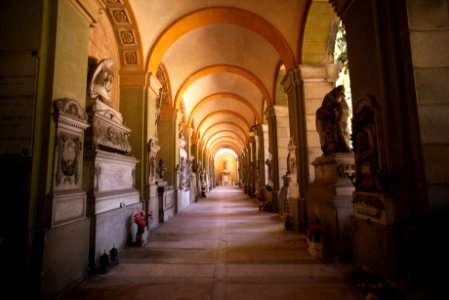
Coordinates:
(253, 164)
(293, 86)
(282, 140)
(135, 96)
(268, 180)
(151, 200)
(296, 204)
(391, 201)
(279, 133)
(317, 80)
(272, 153)
(168, 143)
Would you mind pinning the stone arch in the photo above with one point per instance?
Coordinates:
(220, 15)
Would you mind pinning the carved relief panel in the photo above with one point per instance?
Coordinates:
(371, 200)
(71, 121)
(364, 139)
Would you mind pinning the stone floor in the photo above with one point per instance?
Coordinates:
(220, 248)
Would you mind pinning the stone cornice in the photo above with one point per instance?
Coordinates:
(136, 79)
(89, 9)
(168, 113)
(276, 111)
(319, 72)
(280, 110)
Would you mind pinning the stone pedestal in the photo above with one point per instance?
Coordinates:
(110, 229)
(315, 249)
(66, 238)
(153, 205)
(166, 202)
(193, 189)
(374, 215)
(183, 199)
(330, 199)
(225, 179)
(109, 179)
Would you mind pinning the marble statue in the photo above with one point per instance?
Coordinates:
(101, 81)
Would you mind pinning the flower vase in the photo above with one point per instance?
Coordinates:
(134, 229)
(139, 238)
(315, 248)
(288, 224)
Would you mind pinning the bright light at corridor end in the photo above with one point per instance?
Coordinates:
(224, 150)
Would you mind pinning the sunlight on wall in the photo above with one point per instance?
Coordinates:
(341, 57)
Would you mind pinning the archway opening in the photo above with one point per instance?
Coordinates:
(226, 166)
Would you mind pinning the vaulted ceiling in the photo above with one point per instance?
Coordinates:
(222, 57)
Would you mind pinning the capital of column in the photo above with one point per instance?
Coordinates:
(270, 113)
(140, 79)
(291, 79)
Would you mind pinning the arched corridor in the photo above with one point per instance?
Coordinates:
(221, 247)
(118, 117)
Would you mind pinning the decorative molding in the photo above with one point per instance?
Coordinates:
(131, 57)
(127, 35)
(113, 1)
(70, 113)
(161, 75)
(120, 16)
(107, 129)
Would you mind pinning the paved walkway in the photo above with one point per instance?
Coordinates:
(220, 248)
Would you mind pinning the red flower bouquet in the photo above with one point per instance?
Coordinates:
(140, 217)
(314, 229)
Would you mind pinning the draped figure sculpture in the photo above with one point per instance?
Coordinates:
(331, 122)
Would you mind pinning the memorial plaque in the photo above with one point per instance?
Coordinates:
(18, 73)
